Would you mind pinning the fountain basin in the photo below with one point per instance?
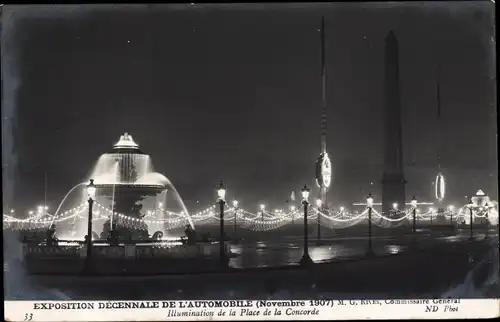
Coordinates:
(139, 259)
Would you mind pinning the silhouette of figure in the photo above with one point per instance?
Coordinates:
(51, 235)
(190, 234)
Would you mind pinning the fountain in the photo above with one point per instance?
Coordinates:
(125, 176)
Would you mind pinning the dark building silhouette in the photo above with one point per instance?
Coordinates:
(393, 182)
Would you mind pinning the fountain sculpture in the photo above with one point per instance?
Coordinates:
(125, 176)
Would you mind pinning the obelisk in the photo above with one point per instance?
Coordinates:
(393, 181)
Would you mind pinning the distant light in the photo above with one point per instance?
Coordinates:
(451, 207)
(319, 203)
(128, 41)
(235, 203)
(480, 193)
(342, 209)
(46, 207)
(395, 206)
(30, 212)
(292, 208)
(160, 204)
(262, 207)
(12, 211)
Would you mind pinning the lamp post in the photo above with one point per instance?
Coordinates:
(306, 259)
(262, 209)
(414, 205)
(470, 205)
(319, 203)
(487, 223)
(369, 204)
(292, 209)
(235, 205)
(221, 194)
(91, 193)
(450, 209)
(431, 212)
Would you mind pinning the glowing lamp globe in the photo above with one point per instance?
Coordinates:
(414, 202)
(369, 200)
(451, 207)
(91, 189)
(292, 208)
(318, 203)
(395, 206)
(305, 193)
(235, 203)
(262, 207)
(221, 191)
(342, 209)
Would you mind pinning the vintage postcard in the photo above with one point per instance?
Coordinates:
(288, 161)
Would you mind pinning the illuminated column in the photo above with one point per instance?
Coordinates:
(235, 206)
(221, 194)
(369, 204)
(451, 208)
(414, 205)
(319, 203)
(91, 194)
(470, 206)
(306, 259)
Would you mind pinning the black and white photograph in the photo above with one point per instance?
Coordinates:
(250, 152)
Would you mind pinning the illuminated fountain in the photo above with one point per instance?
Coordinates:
(125, 176)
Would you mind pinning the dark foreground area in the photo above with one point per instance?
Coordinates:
(416, 273)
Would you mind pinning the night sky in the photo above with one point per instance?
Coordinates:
(233, 92)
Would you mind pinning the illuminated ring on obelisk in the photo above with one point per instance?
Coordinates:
(324, 171)
(439, 187)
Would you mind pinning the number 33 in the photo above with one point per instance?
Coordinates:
(28, 316)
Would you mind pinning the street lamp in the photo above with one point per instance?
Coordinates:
(450, 209)
(487, 222)
(235, 206)
(432, 213)
(262, 209)
(292, 209)
(369, 204)
(91, 194)
(306, 259)
(414, 205)
(470, 206)
(221, 194)
(319, 203)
